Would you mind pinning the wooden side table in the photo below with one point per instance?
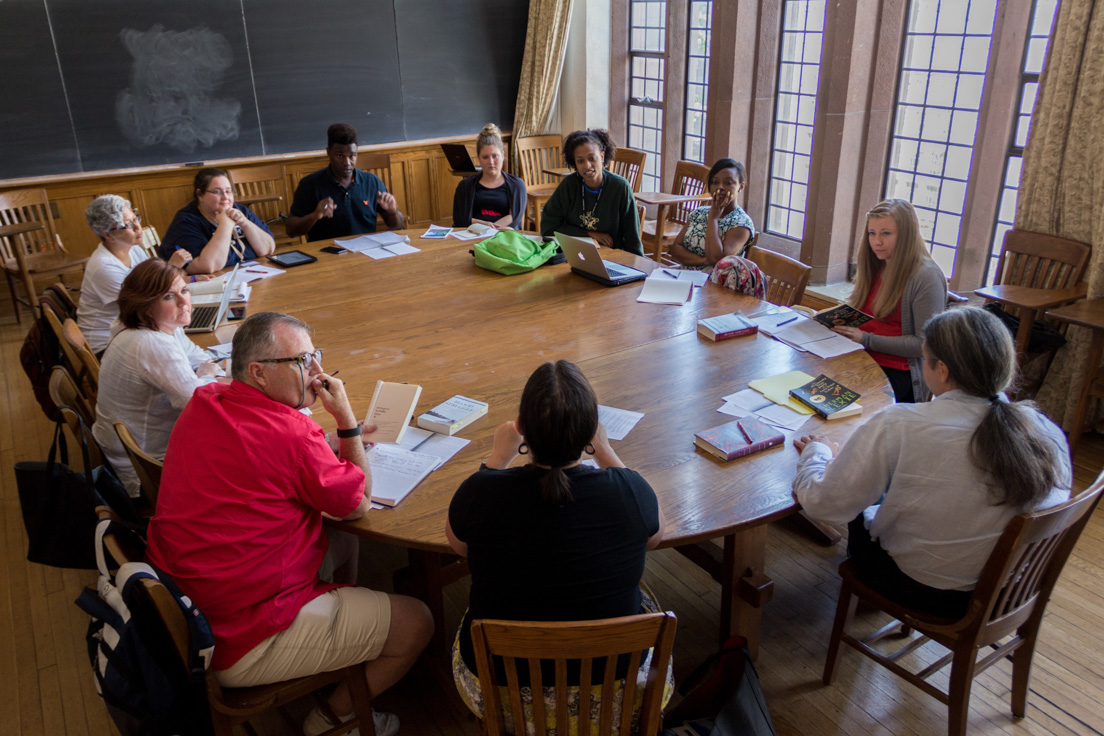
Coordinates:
(1088, 313)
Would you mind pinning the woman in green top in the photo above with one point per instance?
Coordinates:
(593, 202)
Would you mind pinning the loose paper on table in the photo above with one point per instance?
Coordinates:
(664, 291)
(618, 422)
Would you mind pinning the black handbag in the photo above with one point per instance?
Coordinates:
(1044, 337)
(59, 505)
(722, 697)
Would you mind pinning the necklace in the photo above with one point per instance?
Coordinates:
(587, 219)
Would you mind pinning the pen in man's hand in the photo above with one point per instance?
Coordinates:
(326, 383)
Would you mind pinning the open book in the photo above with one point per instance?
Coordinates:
(392, 406)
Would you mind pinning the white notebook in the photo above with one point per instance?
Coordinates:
(396, 472)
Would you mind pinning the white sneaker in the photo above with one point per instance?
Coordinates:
(387, 724)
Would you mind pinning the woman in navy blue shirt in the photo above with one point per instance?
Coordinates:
(217, 232)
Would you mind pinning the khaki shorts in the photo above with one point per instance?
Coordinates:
(335, 630)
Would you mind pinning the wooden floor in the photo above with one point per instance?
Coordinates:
(46, 684)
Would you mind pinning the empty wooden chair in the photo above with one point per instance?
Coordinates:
(537, 153)
(30, 248)
(1004, 613)
(263, 189)
(1037, 272)
(628, 163)
(89, 365)
(518, 641)
(658, 234)
(233, 706)
(67, 397)
(146, 466)
(787, 277)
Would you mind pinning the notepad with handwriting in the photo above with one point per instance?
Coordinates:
(396, 472)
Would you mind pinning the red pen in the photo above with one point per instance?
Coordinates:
(744, 432)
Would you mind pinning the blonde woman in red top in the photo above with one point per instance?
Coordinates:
(899, 284)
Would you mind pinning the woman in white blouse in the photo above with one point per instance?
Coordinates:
(928, 488)
(150, 368)
(119, 229)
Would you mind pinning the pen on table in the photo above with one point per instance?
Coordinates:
(254, 270)
(672, 275)
(744, 432)
(786, 322)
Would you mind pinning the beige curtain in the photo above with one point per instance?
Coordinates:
(545, 43)
(1062, 186)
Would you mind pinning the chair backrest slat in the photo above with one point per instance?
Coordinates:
(787, 277)
(537, 153)
(628, 163)
(690, 179)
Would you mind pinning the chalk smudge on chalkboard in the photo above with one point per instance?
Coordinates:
(173, 81)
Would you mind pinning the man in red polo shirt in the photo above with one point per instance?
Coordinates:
(239, 527)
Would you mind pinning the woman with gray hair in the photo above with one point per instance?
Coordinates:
(119, 229)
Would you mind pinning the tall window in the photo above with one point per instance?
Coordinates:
(1041, 22)
(792, 144)
(647, 26)
(942, 75)
(697, 80)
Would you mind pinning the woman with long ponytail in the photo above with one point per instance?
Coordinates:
(928, 488)
(553, 539)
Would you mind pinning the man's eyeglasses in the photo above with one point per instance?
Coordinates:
(303, 361)
(135, 224)
(220, 192)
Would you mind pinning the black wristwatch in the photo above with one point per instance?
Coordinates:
(347, 433)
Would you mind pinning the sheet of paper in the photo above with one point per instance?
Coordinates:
(748, 399)
(697, 278)
(401, 249)
(378, 253)
(735, 410)
(591, 463)
(251, 271)
(803, 331)
(619, 422)
(782, 416)
(777, 389)
(440, 446)
(221, 351)
(660, 290)
(833, 346)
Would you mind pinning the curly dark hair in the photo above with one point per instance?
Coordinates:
(598, 136)
(341, 134)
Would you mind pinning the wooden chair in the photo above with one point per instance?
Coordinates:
(146, 466)
(263, 189)
(234, 706)
(1037, 272)
(151, 241)
(67, 397)
(1004, 613)
(658, 234)
(574, 640)
(88, 364)
(628, 163)
(787, 277)
(537, 153)
(30, 247)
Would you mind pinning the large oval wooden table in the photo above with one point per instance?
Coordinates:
(435, 319)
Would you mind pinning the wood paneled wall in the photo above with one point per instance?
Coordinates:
(420, 176)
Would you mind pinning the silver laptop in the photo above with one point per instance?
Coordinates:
(586, 261)
(207, 317)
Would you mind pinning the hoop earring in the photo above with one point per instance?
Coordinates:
(523, 449)
(589, 449)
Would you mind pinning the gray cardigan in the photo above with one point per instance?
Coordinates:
(925, 295)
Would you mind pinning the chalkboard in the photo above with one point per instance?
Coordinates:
(124, 83)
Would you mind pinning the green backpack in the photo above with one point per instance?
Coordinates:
(509, 252)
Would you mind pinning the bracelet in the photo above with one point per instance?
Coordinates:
(347, 433)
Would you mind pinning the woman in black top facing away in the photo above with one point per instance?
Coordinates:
(551, 540)
(491, 197)
(593, 202)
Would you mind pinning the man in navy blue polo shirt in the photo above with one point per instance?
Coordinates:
(341, 200)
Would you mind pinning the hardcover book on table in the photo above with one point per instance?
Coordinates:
(724, 326)
(828, 398)
(736, 439)
(843, 315)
